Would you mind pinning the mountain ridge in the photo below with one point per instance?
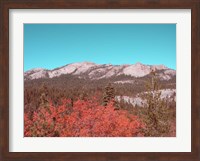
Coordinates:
(100, 71)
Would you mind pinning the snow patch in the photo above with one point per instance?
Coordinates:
(137, 70)
(169, 94)
(125, 81)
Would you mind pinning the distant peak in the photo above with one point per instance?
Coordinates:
(139, 64)
(35, 69)
(85, 62)
(161, 66)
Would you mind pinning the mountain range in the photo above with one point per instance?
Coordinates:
(99, 71)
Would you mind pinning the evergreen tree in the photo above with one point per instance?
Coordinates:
(108, 94)
(44, 102)
(156, 112)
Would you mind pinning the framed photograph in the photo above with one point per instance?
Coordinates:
(100, 80)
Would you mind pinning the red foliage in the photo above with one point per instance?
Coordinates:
(85, 119)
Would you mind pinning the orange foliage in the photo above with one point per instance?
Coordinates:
(84, 119)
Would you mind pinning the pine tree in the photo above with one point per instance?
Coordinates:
(156, 112)
(109, 95)
(44, 102)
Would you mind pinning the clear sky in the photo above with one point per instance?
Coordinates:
(54, 45)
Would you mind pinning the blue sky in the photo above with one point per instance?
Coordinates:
(54, 45)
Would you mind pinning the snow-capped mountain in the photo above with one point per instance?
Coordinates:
(99, 71)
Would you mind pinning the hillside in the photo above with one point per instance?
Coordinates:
(82, 87)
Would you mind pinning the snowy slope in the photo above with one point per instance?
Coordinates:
(99, 71)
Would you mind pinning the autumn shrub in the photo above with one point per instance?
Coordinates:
(84, 119)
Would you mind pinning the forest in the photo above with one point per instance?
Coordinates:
(69, 106)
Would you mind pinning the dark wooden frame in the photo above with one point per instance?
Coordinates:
(5, 5)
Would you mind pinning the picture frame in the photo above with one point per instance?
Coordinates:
(194, 5)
